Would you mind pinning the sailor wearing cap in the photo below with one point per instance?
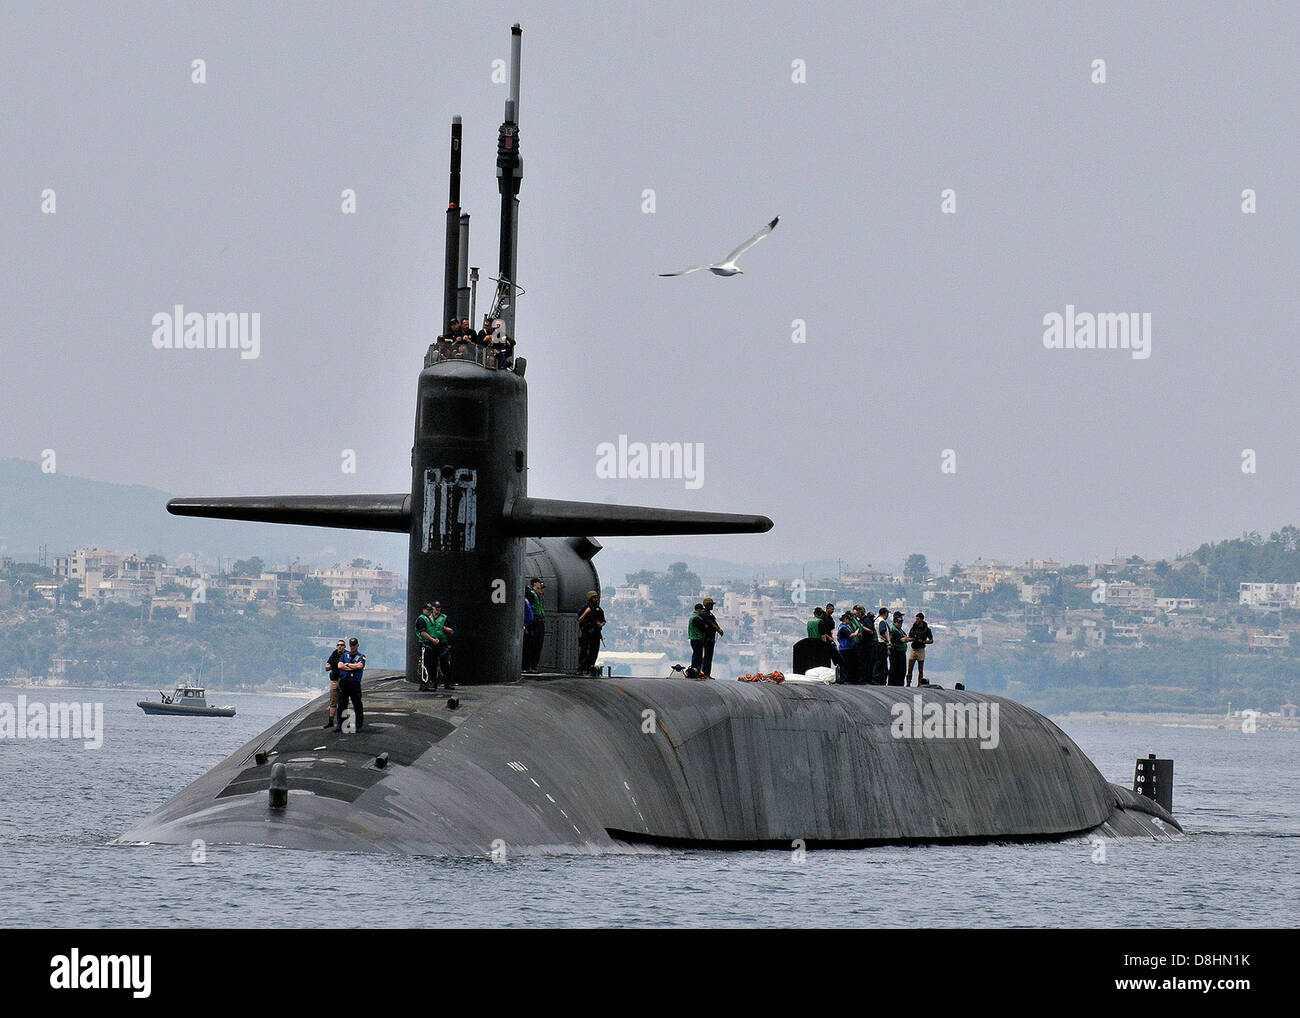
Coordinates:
(880, 652)
(428, 649)
(590, 623)
(920, 636)
(711, 633)
(897, 650)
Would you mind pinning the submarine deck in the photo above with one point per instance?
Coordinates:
(573, 763)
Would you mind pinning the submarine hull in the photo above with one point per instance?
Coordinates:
(596, 765)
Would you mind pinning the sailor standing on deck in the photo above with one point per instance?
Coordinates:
(590, 623)
(897, 650)
(534, 627)
(845, 635)
(862, 638)
(921, 638)
(428, 647)
(880, 662)
(711, 632)
(351, 668)
(332, 666)
(695, 633)
(441, 634)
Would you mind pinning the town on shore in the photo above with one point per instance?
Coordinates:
(1209, 633)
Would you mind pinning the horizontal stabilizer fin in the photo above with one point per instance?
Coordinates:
(549, 517)
(390, 513)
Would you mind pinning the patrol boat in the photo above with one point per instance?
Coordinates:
(191, 701)
(561, 762)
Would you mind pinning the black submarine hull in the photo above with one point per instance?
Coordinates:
(596, 765)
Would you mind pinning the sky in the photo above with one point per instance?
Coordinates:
(922, 410)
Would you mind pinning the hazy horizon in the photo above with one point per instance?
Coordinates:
(924, 330)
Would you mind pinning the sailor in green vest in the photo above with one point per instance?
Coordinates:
(434, 635)
(695, 633)
(441, 633)
(428, 649)
(897, 650)
(711, 633)
(815, 625)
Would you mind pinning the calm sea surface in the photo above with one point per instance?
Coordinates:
(1237, 795)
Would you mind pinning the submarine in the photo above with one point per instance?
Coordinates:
(561, 762)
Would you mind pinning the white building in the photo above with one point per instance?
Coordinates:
(377, 618)
(1130, 596)
(377, 582)
(1267, 596)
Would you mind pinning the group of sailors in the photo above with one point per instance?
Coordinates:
(865, 648)
(461, 337)
(873, 649)
(702, 630)
(591, 623)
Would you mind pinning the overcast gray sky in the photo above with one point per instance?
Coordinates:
(924, 330)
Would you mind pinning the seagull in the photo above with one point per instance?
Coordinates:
(727, 267)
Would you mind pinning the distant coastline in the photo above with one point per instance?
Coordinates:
(1171, 719)
(24, 684)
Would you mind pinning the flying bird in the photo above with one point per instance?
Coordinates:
(727, 267)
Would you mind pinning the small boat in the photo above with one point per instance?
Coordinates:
(190, 701)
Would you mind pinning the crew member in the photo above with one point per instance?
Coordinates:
(880, 660)
(503, 346)
(440, 634)
(815, 624)
(427, 647)
(351, 667)
(897, 650)
(695, 634)
(590, 623)
(534, 629)
(846, 634)
(866, 644)
(921, 637)
(711, 633)
(332, 666)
